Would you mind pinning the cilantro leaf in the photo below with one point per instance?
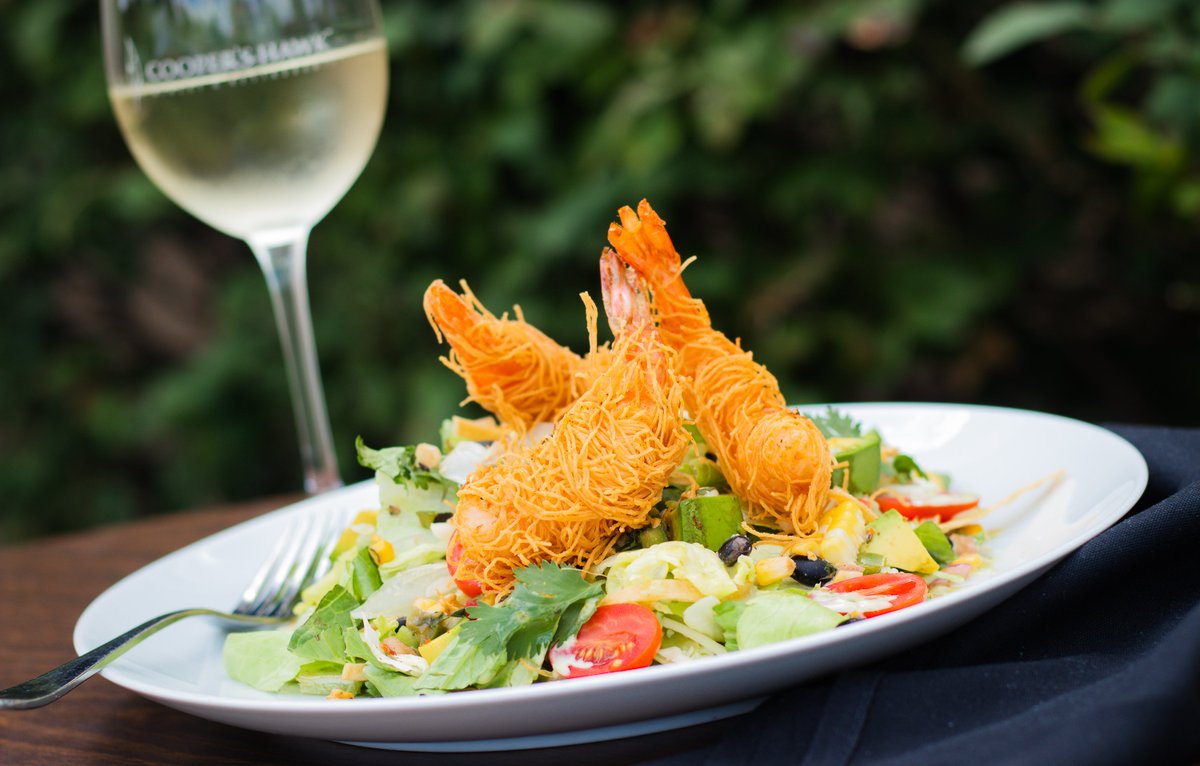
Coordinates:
(525, 623)
(836, 424)
(548, 604)
(397, 463)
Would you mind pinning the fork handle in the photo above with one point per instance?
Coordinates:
(53, 684)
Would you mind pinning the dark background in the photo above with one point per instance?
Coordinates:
(904, 200)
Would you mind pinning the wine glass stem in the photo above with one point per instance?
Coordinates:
(283, 258)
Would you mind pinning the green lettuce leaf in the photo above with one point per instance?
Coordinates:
(460, 665)
(321, 636)
(261, 659)
(505, 644)
(778, 615)
(389, 683)
(396, 463)
(364, 575)
(727, 614)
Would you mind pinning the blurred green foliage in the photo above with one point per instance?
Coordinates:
(890, 199)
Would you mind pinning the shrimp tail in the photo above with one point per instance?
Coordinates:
(642, 241)
(451, 314)
(625, 300)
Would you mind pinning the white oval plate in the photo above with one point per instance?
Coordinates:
(987, 450)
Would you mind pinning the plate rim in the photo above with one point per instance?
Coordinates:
(289, 704)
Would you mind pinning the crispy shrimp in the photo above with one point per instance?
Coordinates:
(511, 368)
(773, 458)
(568, 498)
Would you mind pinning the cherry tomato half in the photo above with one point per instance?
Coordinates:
(617, 637)
(454, 557)
(903, 589)
(946, 505)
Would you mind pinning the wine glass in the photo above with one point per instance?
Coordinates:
(256, 116)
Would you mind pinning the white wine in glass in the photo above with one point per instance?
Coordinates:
(256, 116)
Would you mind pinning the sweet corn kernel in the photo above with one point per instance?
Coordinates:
(774, 569)
(381, 550)
(340, 694)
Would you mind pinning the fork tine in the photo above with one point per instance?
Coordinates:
(254, 588)
(275, 572)
(311, 562)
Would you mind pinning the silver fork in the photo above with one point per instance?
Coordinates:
(298, 558)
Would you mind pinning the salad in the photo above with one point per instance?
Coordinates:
(700, 579)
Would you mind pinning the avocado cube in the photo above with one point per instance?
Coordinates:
(896, 542)
(862, 456)
(652, 535)
(670, 520)
(710, 521)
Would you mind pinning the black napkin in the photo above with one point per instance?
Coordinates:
(1095, 662)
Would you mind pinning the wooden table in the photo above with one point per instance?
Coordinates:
(46, 584)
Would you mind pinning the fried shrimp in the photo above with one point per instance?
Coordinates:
(600, 473)
(775, 459)
(511, 368)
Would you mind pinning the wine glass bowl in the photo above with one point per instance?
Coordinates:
(256, 116)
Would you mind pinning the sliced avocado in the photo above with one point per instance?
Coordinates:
(899, 545)
(697, 464)
(652, 535)
(711, 520)
(670, 520)
(700, 468)
(862, 456)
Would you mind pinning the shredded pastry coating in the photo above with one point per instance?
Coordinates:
(774, 459)
(511, 368)
(568, 498)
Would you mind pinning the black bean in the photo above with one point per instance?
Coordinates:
(733, 549)
(443, 516)
(812, 572)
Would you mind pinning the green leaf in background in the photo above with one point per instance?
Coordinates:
(917, 230)
(1122, 135)
(1011, 27)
